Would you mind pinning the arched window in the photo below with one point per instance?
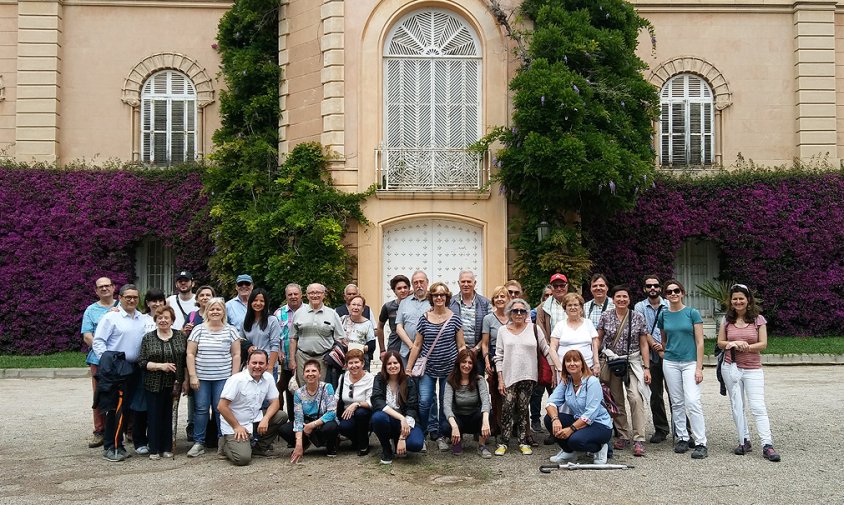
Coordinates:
(686, 122)
(432, 93)
(168, 119)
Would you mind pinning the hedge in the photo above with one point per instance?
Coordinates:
(61, 229)
(779, 231)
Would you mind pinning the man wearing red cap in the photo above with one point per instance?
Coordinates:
(548, 314)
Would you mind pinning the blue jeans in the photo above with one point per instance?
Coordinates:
(431, 413)
(388, 429)
(208, 395)
(587, 439)
(356, 429)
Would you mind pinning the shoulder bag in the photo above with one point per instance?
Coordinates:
(619, 366)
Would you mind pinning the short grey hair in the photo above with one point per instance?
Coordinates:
(322, 287)
(292, 285)
(509, 307)
(128, 287)
(420, 272)
(351, 286)
(474, 277)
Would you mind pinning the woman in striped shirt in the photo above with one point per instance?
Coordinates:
(213, 357)
(439, 335)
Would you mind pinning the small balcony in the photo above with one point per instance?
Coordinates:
(443, 170)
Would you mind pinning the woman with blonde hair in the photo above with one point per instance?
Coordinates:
(213, 355)
(489, 337)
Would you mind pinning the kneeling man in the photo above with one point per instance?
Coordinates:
(240, 407)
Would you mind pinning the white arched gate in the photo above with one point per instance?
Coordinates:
(439, 247)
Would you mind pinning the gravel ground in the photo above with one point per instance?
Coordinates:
(44, 458)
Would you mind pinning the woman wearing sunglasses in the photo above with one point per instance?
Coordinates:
(682, 340)
(519, 345)
(354, 402)
(744, 335)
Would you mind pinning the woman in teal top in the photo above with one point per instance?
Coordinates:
(682, 338)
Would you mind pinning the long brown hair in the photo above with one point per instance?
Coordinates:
(456, 374)
(401, 375)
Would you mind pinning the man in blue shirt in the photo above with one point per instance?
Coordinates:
(236, 307)
(650, 308)
(90, 319)
(123, 331)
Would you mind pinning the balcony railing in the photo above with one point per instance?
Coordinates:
(430, 169)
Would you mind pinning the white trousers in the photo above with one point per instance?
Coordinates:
(748, 383)
(685, 399)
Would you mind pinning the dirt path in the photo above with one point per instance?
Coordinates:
(44, 423)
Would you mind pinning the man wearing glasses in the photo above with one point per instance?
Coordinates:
(90, 320)
(236, 307)
(650, 308)
(122, 331)
(315, 329)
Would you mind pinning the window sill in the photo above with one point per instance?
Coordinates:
(388, 194)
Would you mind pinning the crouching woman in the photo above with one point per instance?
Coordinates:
(395, 405)
(588, 427)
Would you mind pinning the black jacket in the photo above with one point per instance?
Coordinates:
(379, 397)
(112, 374)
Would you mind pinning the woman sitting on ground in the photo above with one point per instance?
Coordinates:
(466, 405)
(743, 336)
(354, 402)
(395, 403)
(588, 427)
(314, 415)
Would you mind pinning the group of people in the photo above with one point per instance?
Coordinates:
(451, 365)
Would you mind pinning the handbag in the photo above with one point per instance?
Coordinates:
(422, 362)
(545, 375)
(609, 402)
(336, 357)
(619, 366)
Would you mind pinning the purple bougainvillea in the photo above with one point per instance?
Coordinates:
(61, 229)
(781, 233)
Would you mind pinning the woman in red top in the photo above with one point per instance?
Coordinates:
(743, 336)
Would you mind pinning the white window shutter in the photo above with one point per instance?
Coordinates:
(432, 93)
(686, 122)
(168, 119)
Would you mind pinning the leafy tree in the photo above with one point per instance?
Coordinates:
(580, 141)
(283, 223)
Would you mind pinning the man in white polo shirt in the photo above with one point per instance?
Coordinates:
(240, 407)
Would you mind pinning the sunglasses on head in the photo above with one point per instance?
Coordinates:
(675, 291)
(740, 286)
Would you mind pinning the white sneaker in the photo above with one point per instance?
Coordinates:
(197, 450)
(424, 449)
(601, 456)
(563, 457)
(142, 450)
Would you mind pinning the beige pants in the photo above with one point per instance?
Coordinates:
(637, 407)
(239, 452)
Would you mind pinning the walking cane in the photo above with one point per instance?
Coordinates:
(583, 466)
